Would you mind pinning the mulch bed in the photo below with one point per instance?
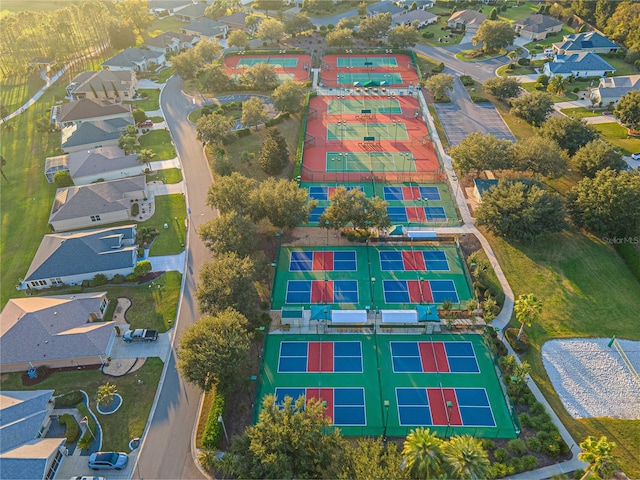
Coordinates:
(44, 373)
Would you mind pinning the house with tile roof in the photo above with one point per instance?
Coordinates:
(611, 89)
(103, 84)
(582, 64)
(537, 27)
(70, 258)
(96, 204)
(171, 42)
(469, 20)
(24, 419)
(206, 29)
(90, 110)
(137, 60)
(88, 135)
(592, 42)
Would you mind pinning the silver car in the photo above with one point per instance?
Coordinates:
(108, 460)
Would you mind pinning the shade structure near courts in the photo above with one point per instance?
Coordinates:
(320, 312)
(349, 316)
(399, 316)
(397, 230)
(428, 313)
(357, 84)
(371, 83)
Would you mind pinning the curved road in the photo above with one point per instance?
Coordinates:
(166, 449)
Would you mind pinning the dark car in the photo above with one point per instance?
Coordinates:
(108, 460)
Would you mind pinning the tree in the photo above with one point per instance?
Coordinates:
(516, 53)
(598, 454)
(570, 134)
(624, 25)
(227, 281)
(216, 129)
(370, 458)
(346, 22)
(403, 36)
(145, 155)
(493, 15)
(267, 5)
(231, 193)
(627, 110)
(186, 64)
(212, 78)
(362, 9)
(127, 143)
(465, 458)
(540, 155)
(297, 24)
(440, 84)
(142, 268)
(260, 76)
(237, 38)
(494, 35)
(274, 155)
(271, 30)
(352, 207)
(137, 12)
(481, 152)
(3, 162)
(375, 27)
(214, 350)
(105, 395)
(289, 96)
(518, 211)
(533, 107)
(422, 453)
(608, 204)
(121, 34)
(216, 10)
(291, 440)
(62, 179)
(139, 115)
(253, 112)
(595, 156)
(557, 85)
(283, 203)
(207, 50)
(229, 232)
(340, 37)
(502, 87)
(527, 309)
(251, 22)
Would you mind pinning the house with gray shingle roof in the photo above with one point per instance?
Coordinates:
(421, 18)
(585, 42)
(612, 89)
(102, 84)
(57, 331)
(537, 26)
(582, 64)
(89, 110)
(88, 135)
(190, 12)
(469, 20)
(24, 454)
(236, 21)
(69, 258)
(206, 29)
(96, 204)
(136, 59)
(170, 42)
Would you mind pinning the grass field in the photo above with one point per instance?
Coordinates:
(472, 56)
(505, 71)
(172, 211)
(149, 104)
(160, 142)
(580, 112)
(621, 67)
(137, 390)
(168, 175)
(530, 87)
(617, 135)
(517, 13)
(15, 91)
(539, 46)
(16, 6)
(587, 291)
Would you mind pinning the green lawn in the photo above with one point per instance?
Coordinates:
(137, 390)
(530, 87)
(165, 73)
(621, 67)
(168, 175)
(15, 91)
(505, 71)
(161, 25)
(587, 291)
(581, 112)
(617, 135)
(160, 142)
(517, 13)
(168, 208)
(467, 55)
(539, 46)
(151, 103)
(156, 119)
(438, 33)
(439, 127)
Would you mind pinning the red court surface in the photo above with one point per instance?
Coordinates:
(323, 395)
(413, 260)
(405, 68)
(299, 72)
(320, 357)
(433, 357)
(438, 399)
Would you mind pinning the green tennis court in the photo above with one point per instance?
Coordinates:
(283, 77)
(278, 62)
(363, 78)
(358, 62)
(357, 131)
(352, 107)
(370, 162)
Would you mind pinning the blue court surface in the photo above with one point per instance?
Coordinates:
(419, 291)
(324, 192)
(416, 214)
(314, 216)
(432, 357)
(425, 260)
(344, 406)
(322, 291)
(403, 193)
(312, 357)
(324, 261)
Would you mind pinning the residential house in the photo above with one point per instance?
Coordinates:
(96, 204)
(103, 84)
(236, 21)
(90, 135)
(206, 29)
(170, 42)
(136, 59)
(585, 42)
(419, 18)
(612, 89)
(91, 110)
(24, 419)
(384, 7)
(70, 258)
(57, 331)
(537, 27)
(468, 20)
(96, 164)
(167, 5)
(582, 64)
(190, 12)
(420, 4)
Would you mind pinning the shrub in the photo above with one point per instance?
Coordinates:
(428, 34)
(534, 444)
(525, 420)
(500, 470)
(539, 86)
(213, 429)
(488, 444)
(131, 278)
(438, 68)
(516, 446)
(520, 346)
(524, 61)
(500, 455)
(543, 79)
(466, 80)
(538, 408)
(477, 99)
(529, 462)
(70, 399)
(117, 279)
(552, 449)
(575, 89)
(516, 464)
(543, 436)
(98, 280)
(243, 132)
(135, 209)
(73, 429)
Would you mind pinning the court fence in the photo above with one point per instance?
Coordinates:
(302, 135)
(268, 52)
(424, 176)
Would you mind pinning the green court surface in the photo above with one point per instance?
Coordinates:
(370, 162)
(277, 62)
(345, 62)
(357, 131)
(354, 107)
(372, 372)
(283, 77)
(363, 78)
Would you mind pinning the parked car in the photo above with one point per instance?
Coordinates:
(146, 123)
(635, 156)
(84, 477)
(140, 335)
(108, 460)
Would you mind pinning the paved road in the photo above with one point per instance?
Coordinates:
(166, 451)
(480, 71)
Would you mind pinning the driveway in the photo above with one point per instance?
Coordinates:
(159, 348)
(166, 263)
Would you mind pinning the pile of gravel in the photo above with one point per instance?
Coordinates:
(591, 378)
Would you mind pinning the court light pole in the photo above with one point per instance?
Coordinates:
(449, 409)
(326, 227)
(343, 161)
(386, 422)
(224, 428)
(395, 135)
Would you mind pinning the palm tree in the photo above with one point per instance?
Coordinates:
(106, 393)
(557, 85)
(528, 309)
(422, 453)
(145, 156)
(597, 453)
(465, 458)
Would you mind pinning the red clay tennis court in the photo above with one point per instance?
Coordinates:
(353, 70)
(293, 67)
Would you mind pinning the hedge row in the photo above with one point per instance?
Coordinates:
(213, 429)
(70, 399)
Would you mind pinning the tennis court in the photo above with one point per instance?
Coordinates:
(364, 106)
(362, 131)
(370, 162)
(410, 215)
(421, 260)
(358, 62)
(402, 193)
(419, 291)
(361, 79)
(277, 62)
(308, 261)
(283, 77)
(356, 379)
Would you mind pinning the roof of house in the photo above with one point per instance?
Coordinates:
(206, 27)
(385, 7)
(94, 133)
(168, 4)
(122, 80)
(411, 15)
(100, 160)
(77, 253)
(192, 10)
(538, 23)
(91, 108)
(236, 18)
(581, 41)
(95, 198)
(580, 61)
(130, 57)
(468, 17)
(619, 86)
(167, 38)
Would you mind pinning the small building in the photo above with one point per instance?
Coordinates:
(91, 110)
(468, 20)
(70, 258)
(582, 64)
(43, 63)
(136, 60)
(612, 89)
(206, 29)
(537, 27)
(419, 18)
(170, 42)
(592, 42)
(90, 135)
(103, 84)
(190, 12)
(57, 331)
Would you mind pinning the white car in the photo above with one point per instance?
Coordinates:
(82, 477)
(635, 156)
